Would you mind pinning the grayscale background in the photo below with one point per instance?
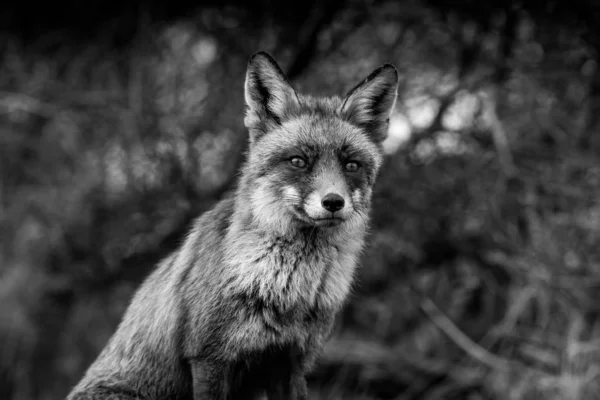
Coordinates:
(121, 121)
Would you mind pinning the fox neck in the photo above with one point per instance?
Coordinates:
(288, 264)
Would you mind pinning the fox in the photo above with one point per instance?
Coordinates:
(242, 309)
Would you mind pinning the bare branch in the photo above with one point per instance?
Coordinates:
(498, 133)
(445, 103)
(460, 338)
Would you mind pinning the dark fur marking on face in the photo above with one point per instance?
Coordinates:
(271, 164)
(307, 152)
(366, 163)
(355, 180)
(349, 152)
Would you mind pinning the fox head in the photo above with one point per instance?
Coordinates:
(312, 162)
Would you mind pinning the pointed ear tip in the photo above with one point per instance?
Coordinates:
(261, 56)
(390, 69)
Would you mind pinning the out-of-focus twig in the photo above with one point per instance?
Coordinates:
(501, 74)
(10, 102)
(469, 346)
(445, 103)
(470, 48)
(460, 338)
(499, 135)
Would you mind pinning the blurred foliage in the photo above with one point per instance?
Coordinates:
(482, 275)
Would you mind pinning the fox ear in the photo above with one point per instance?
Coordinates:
(371, 102)
(268, 95)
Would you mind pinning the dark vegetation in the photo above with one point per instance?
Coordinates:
(121, 122)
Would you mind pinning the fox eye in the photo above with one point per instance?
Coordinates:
(298, 162)
(352, 166)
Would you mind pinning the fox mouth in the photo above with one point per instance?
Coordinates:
(327, 222)
(308, 221)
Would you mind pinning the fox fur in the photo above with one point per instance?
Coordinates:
(243, 307)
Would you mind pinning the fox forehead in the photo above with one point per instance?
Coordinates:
(314, 135)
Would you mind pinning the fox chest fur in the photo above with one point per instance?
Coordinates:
(286, 283)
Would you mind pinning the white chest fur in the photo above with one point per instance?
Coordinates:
(304, 271)
(290, 276)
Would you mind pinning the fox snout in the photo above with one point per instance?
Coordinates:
(328, 206)
(332, 202)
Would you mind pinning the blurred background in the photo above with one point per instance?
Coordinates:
(121, 121)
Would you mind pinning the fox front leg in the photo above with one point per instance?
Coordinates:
(303, 362)
(299, 387)
(209, 381)
(288, 382)
(292, 388)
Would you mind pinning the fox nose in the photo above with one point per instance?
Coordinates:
(332, 202)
